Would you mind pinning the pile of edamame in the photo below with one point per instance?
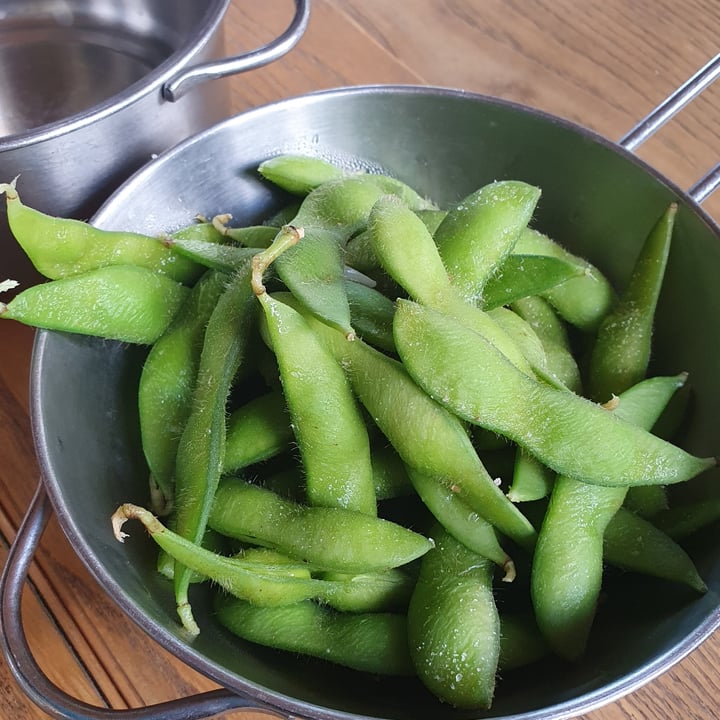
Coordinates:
(358, 416)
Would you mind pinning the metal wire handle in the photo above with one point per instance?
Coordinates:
(687, 92)
(185, 80)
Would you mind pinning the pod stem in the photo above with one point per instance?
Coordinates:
(219, 222)
(510, 571)
(9, 189)
(288, 236)
(128, 511)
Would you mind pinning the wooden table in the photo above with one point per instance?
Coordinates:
(602, 63)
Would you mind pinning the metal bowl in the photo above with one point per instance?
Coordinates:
(598, 199)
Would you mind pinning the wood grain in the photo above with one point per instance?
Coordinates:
(601, 63)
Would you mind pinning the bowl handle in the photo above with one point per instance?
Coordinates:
(37, 686)
(189, 78)
(675, 102)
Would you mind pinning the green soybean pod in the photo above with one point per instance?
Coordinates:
(251, 236)
(568, 560)
(389, 473)
(522, 276)
(226, 258)
(525, 338)
(256, 431)
(551, 331)
(647, 500)
(116, 302)
(521, 642)
(359, 252)
(267, 582)
(481, 231)
(682, 520)
(273, 583)
(582, 301)
(621, 352)
(326, 419)
(328, 538)
(369, 642)
(64, 247)
(201, 449)
(264, 581)
(465, 525)
(299, 174)
(567, 566)
(381, 591)
(454, 626)
(371, 314)
(469, 376)
(408, 253)
(166, 384)
(531, 479)
(636, 544)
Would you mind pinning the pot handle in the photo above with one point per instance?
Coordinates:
(675, 102)
(185, 80)
(38, 687)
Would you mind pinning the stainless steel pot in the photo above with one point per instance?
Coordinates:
(90, 90)
(598, 199)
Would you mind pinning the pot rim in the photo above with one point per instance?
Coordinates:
(561, 710)
(153, 81)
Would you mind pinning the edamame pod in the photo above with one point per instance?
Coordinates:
(389, 474)
(267, 582)
(167, 381)
(568, 561)
(621, 352)
(466, 526)
(633, 543)
(250, 236)
(521, 276)
(582, 301)
(531, 479)
(382, 591)
(326, 420)
(548, 327)
(201, 449)
(454, 626)
(118, 302)
(521, 643)
(256, 431)
(327, 538)
(468, 375)
(526, 340)
(681, 521)
(408, 253)
(372, 315)
(226, 258)
(313, 270)
(481, 231)
(371, 642)
(299, 174)
(63, 247)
